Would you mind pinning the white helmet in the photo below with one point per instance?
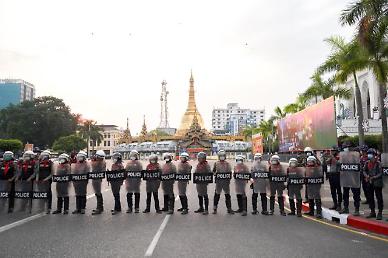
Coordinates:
(63, 158)
(275, 159)
(201, 155)
(257, 156)
(167, 156)
(311, 159)
(134, 155)
(240, 158)
(100, 154)
(45, 154)
(308, 149)
(81, 156)
(153, 158)
(28, 155)
(292, 161)
(8, 155)
(185, 155)
(117, 156)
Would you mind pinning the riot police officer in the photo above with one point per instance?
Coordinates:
(80, 167)
(294, 190)
(168, 185)
(8, 173)
(98, 164)
(115, 185)
(133, 184)
(202, 167)
(333, 175)
(43, 178)
(260, 185)
(183, 168)
(373, 177)
(222, 166)
(276, 187)
(152, 186)
(240, 185)
(27, 168)
(62, 188)
(314, 171)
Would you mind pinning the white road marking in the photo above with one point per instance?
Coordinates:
(154, 242)
(33, 217)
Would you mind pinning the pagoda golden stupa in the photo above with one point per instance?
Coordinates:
(191, 112)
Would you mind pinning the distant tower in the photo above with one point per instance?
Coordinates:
(164, 107)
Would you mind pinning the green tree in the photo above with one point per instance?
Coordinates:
(70, 143)
(90, 131)
(297, 106)
(39, 121)
(267, 130)
(371, 17)
(13, 145)
(345, 60)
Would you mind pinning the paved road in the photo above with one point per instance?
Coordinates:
(193, 235)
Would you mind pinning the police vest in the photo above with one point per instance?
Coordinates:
(44, 169)
(7, 170)
(27, 169)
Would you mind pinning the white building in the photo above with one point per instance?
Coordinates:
(346, 109)
(15, 91)
(111, 135)
(232, 119)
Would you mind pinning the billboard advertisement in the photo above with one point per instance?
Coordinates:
(257, 144)
(312, 127)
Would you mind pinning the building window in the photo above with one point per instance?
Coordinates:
(108, 143)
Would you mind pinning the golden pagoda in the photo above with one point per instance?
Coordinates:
(191, 112)
(126, 135)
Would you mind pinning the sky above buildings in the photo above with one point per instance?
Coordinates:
(107, 59)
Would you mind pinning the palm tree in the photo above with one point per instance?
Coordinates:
(90, 131)
(267, 130)
(297, 106)
(371, 17)
(345, 60)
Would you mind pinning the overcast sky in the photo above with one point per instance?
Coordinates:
(107, 59)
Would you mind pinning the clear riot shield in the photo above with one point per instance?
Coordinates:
(5, 188)
(350, 168)
(39, 196)
(296, 175)
(314, 179)
(23, 198)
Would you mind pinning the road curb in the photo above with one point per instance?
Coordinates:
(352, 221)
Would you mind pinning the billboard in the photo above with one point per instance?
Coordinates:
(257, 143)
(312, 127)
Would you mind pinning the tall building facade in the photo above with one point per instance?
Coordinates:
(15, 91)
(111, 136)
(232, 119)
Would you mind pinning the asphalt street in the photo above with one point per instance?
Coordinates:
(192, 235)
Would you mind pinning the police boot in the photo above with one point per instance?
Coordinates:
(292, 207)
(319, 208)
(165, 202)
(228, 202)
(129, 202)
(311, 208)
(281, 205)
(66, 205)
(356, 211)
(137, 202)
(83, 204)
(239, 203)
(96, 209)
(181, 198)
(77, 205)
(185, 206)
(379, 215)
(215, 202)
(59, 206)
(200, 202)
(148, 203)
(271, 205)
(206, 211)
(254, 203)
(372, 214)
(339, 207)
(244, 206)
(171, 205)
(117, 207)
(263, 198)
(156, 200)
(345, 210)
(100, 205)
(299, 208)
